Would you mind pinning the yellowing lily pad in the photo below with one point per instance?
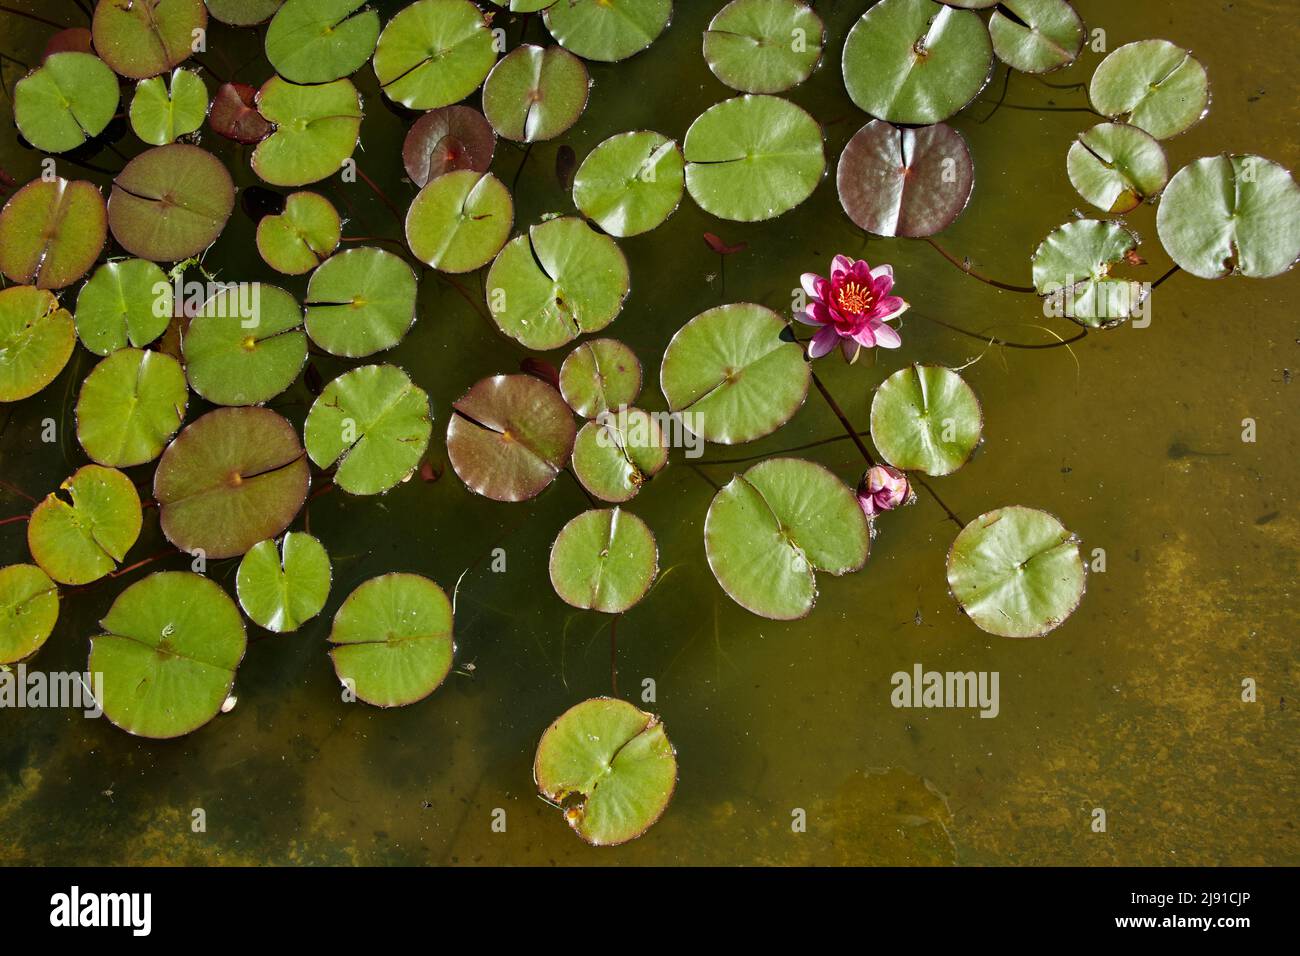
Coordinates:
(51, 232)
(36, 340)
(142, 38)
(1116, 166)
(29, 609)
(81, 538)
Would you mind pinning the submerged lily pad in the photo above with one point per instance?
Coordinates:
(905, 182)
(392, 640)
(316, 41)
(168, 654)
(302, 237)
(360, 302)
(29, 609)
(130, 405)
(620, 451)
(243, 13)
(373, 424)
(509, 436)
(246, 345)
(604, 560)
(1116, 166)
(51, 232)
(916, 61)
(764, 46)
(1153, 84)
(607, 30)
(170, 203)
(234, 114)
(142, 38)
(1016, 572)
(282, 587)
(732, 375)
(460, 221)
(434, 53)
(446, 140)
(85, 536)
(631, 182)
(126, 302)
(1036, 36)
(316, 130)
(36, 340)
(68, 99)
(535, 94)
(162, 113)
(557, 282)
(753, 158)
(1226, 215)
(1072, 268)
(926, 418)
(600, 375)
(231, 479)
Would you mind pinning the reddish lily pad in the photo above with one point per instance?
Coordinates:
(535, 93)
(29, 609)
(85, 536)
(51, 232)
(36, 340)
(170, 203)
(446, 140)
(142, 38)
(234, 114)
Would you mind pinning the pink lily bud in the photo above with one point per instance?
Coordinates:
(883, 488)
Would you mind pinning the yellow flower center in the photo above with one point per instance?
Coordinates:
(854, 297)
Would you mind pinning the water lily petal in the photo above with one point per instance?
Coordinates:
(812, 284)
(887, 337)
(823, 342)
(865, 336)
(814, 313)
(850, 348)
(840, 267)
(882, 285)
(889, 308)
(885, 270)
(861, 272)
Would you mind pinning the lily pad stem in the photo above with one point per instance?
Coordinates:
(1167, 275)
(33, 16)
(994, 340)
(964, 266)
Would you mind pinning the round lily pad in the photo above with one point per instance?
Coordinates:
(316, 130)
(434, 53)
(1036, 36)
(360, 301)
(764, 46)
(753, 158)
(243, 13)
(1116, 166)
(231, 479)
(71, 40)
(234, 114)
(916, 61)
(620, 451)
(51, 232)
(523, 6)
(245, 345)
(29, 609)
(81, 538)
(143, 39)
(1153, 84)
(280, 588)
(126, 302)
(732, 376)
(36, 340)
(604, 560)
(302, 237)
(905, 182)
(445, 140)
(1072, 267)
(607, 30)
(926, 418)
(130, 405)
(460, 221)
(65, 101)
(1225, 215)
(600, 375)
(162, 113)
(535, 93)
(373, 424)
(170, 203)
(557, 282)
(168, 654)
(509, 436)
(316, 41)
(771, 529)
(392, 640)
(1016, 572)
(631, 182)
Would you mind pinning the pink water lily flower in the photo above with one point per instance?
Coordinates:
(883, 488)
(851, 308)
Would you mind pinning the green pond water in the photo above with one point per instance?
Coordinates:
(1133, 706)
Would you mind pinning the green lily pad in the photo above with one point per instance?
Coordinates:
(374, 424)
(130, 405)
(36, 340)
(732, 375)
(1225, 215)
(446, 140)
(753, 158)
(460, 221)
(1072, 268)
(523, 6)
(535, 94)
(600, 375)
(764, 46)
(51, 232)
(972, 4)
(1036, 36)
(68, 99)
(392, 640)
(168, 654)
(926, 418)
(126, 302)
(302, 237)
(607, 30)
(232, 478)
(316, 130)
(559, 281)
(161, 114)
(316, 41)
(281, 588)
(1115, 166)
(85, 536)
(631, 182)
(1016, 572)
(29, 609)
(771, 529)
(142, 38)
(243, 13)
(1155, 85)
(618, 453)
(604, 560)
(916, 61)
(360, 302)
(245, 345)
(509, 436)
(170, 203)
(434, 53)
(905, 182)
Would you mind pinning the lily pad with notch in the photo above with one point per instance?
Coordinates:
(170, 203)
(1154, 85)
(600, 375)
(1116, 167)
(83, 537)
(317, 41)
(535, 93)
(607, 30)
(434, 53)
(301, 237)
(764, 46)
(129, 407)
(51, 232)
(142, 38)
(360, 301)
(36, 340)
(926, 418)
(446, 140)
(1036, 36)
(163, 111)
(316, 130)
(125, 302)
(234, 114)
(243, 13)
(282, 586)
(1073, 267)
(29, 609)
(245, 345)
(631, 182)
(460, 221)
(69, 99)
(604, 560)
(617, 453)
